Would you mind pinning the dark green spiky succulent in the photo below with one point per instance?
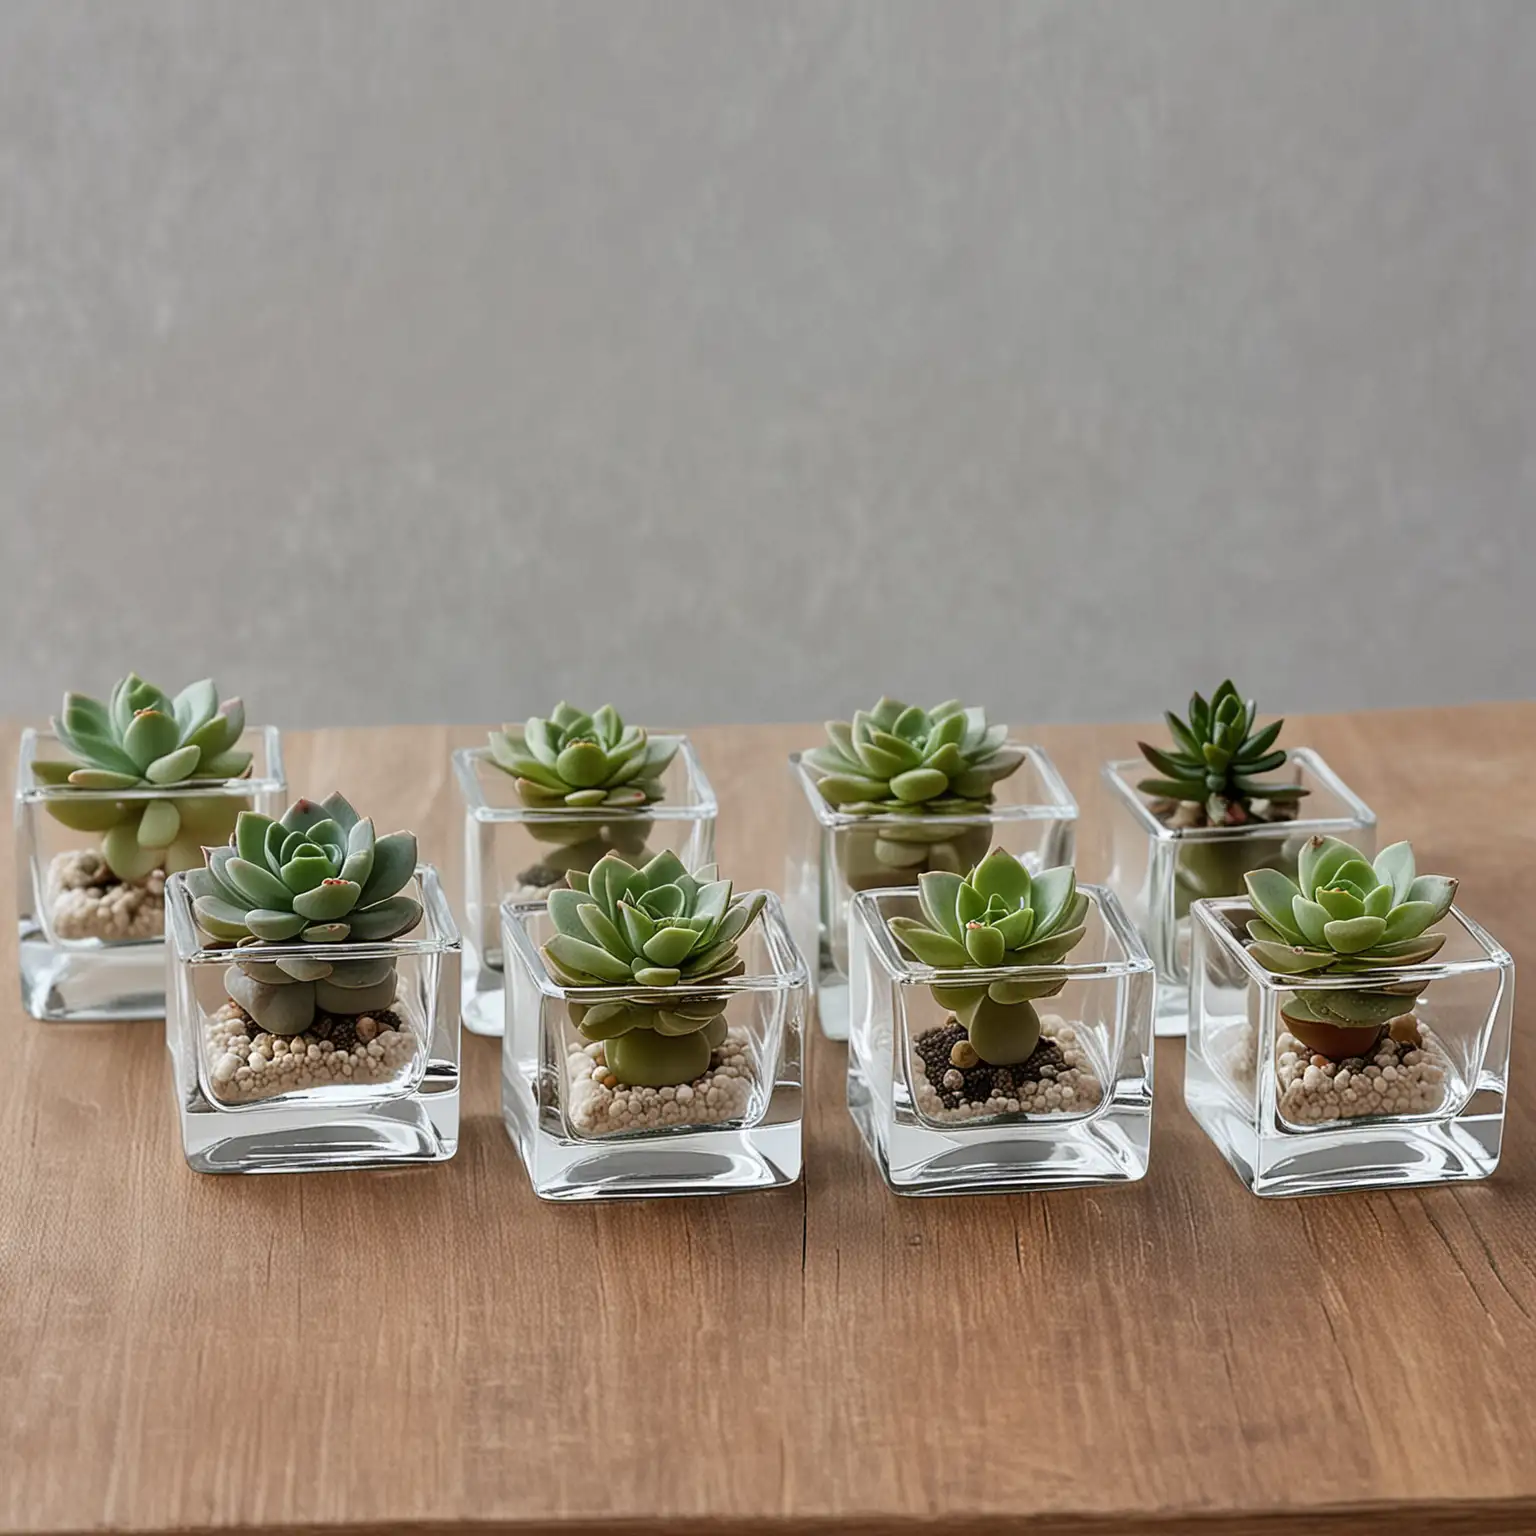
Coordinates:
(996, 917)
(654, 927)
(317, 877)
(1345, 917)
(144, 739)
(578, 761)
(1217, 759)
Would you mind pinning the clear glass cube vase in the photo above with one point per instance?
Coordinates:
(514, 853)
(830, 856)
(584, 1135)
(92, 947)
(1158, 870)
(940, 1122)
(1417, 1100)
(354, 1090)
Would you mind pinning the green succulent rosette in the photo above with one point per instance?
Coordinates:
(997, 916)
(1344, 917)
(656, 927)
(1217, 762)
(900, 762)
(142, 738)
(317, 877)
(583, 762)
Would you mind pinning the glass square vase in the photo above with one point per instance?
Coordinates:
(830, 856)
(372, 1089)
(937, 1122)
(92, 947)
(514, 853)
(1420, 1103)
(583, 1135)
(1158, 870)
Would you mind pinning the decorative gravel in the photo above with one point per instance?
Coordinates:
(1056, 1080)
(246, 1064)
(599, 1104)
(87, 901)
(1405, 1075)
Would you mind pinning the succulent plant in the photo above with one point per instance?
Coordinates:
(899, 758)
(317, 877)
(654, 927)
(581, 762)
(1217, 758)
(586, 763)
(995, 917)
(1345, 917)
(900, 762)
(144, 739)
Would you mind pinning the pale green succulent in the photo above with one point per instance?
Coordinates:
(655, 927)
(589, 764)
(921, 767)
(996, 917)
(1345, 917)
(317, 877)
(581, 762)
(144, 739)
(897, 758)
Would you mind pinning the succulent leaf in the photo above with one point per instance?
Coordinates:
(274, 926)
(226, 765)
(332, 899)
(257, 883)
(1409, 919)
(1273, 894)
(392, 865)
(327, 933)
(195, 706)
(602, 929)
(929, 945)
(220, 918)
(103, 778)
(384, 920)
(1437, 890)
(174, 766)
(1003, 876)
(938, 893)
(150, 735)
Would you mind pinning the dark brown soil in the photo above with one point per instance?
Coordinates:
(983, 1081)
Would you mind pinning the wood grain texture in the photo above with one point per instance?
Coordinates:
(434, 1349)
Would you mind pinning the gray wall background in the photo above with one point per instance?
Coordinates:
(414, 361)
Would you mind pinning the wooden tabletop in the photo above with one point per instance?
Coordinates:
(435, 1348)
